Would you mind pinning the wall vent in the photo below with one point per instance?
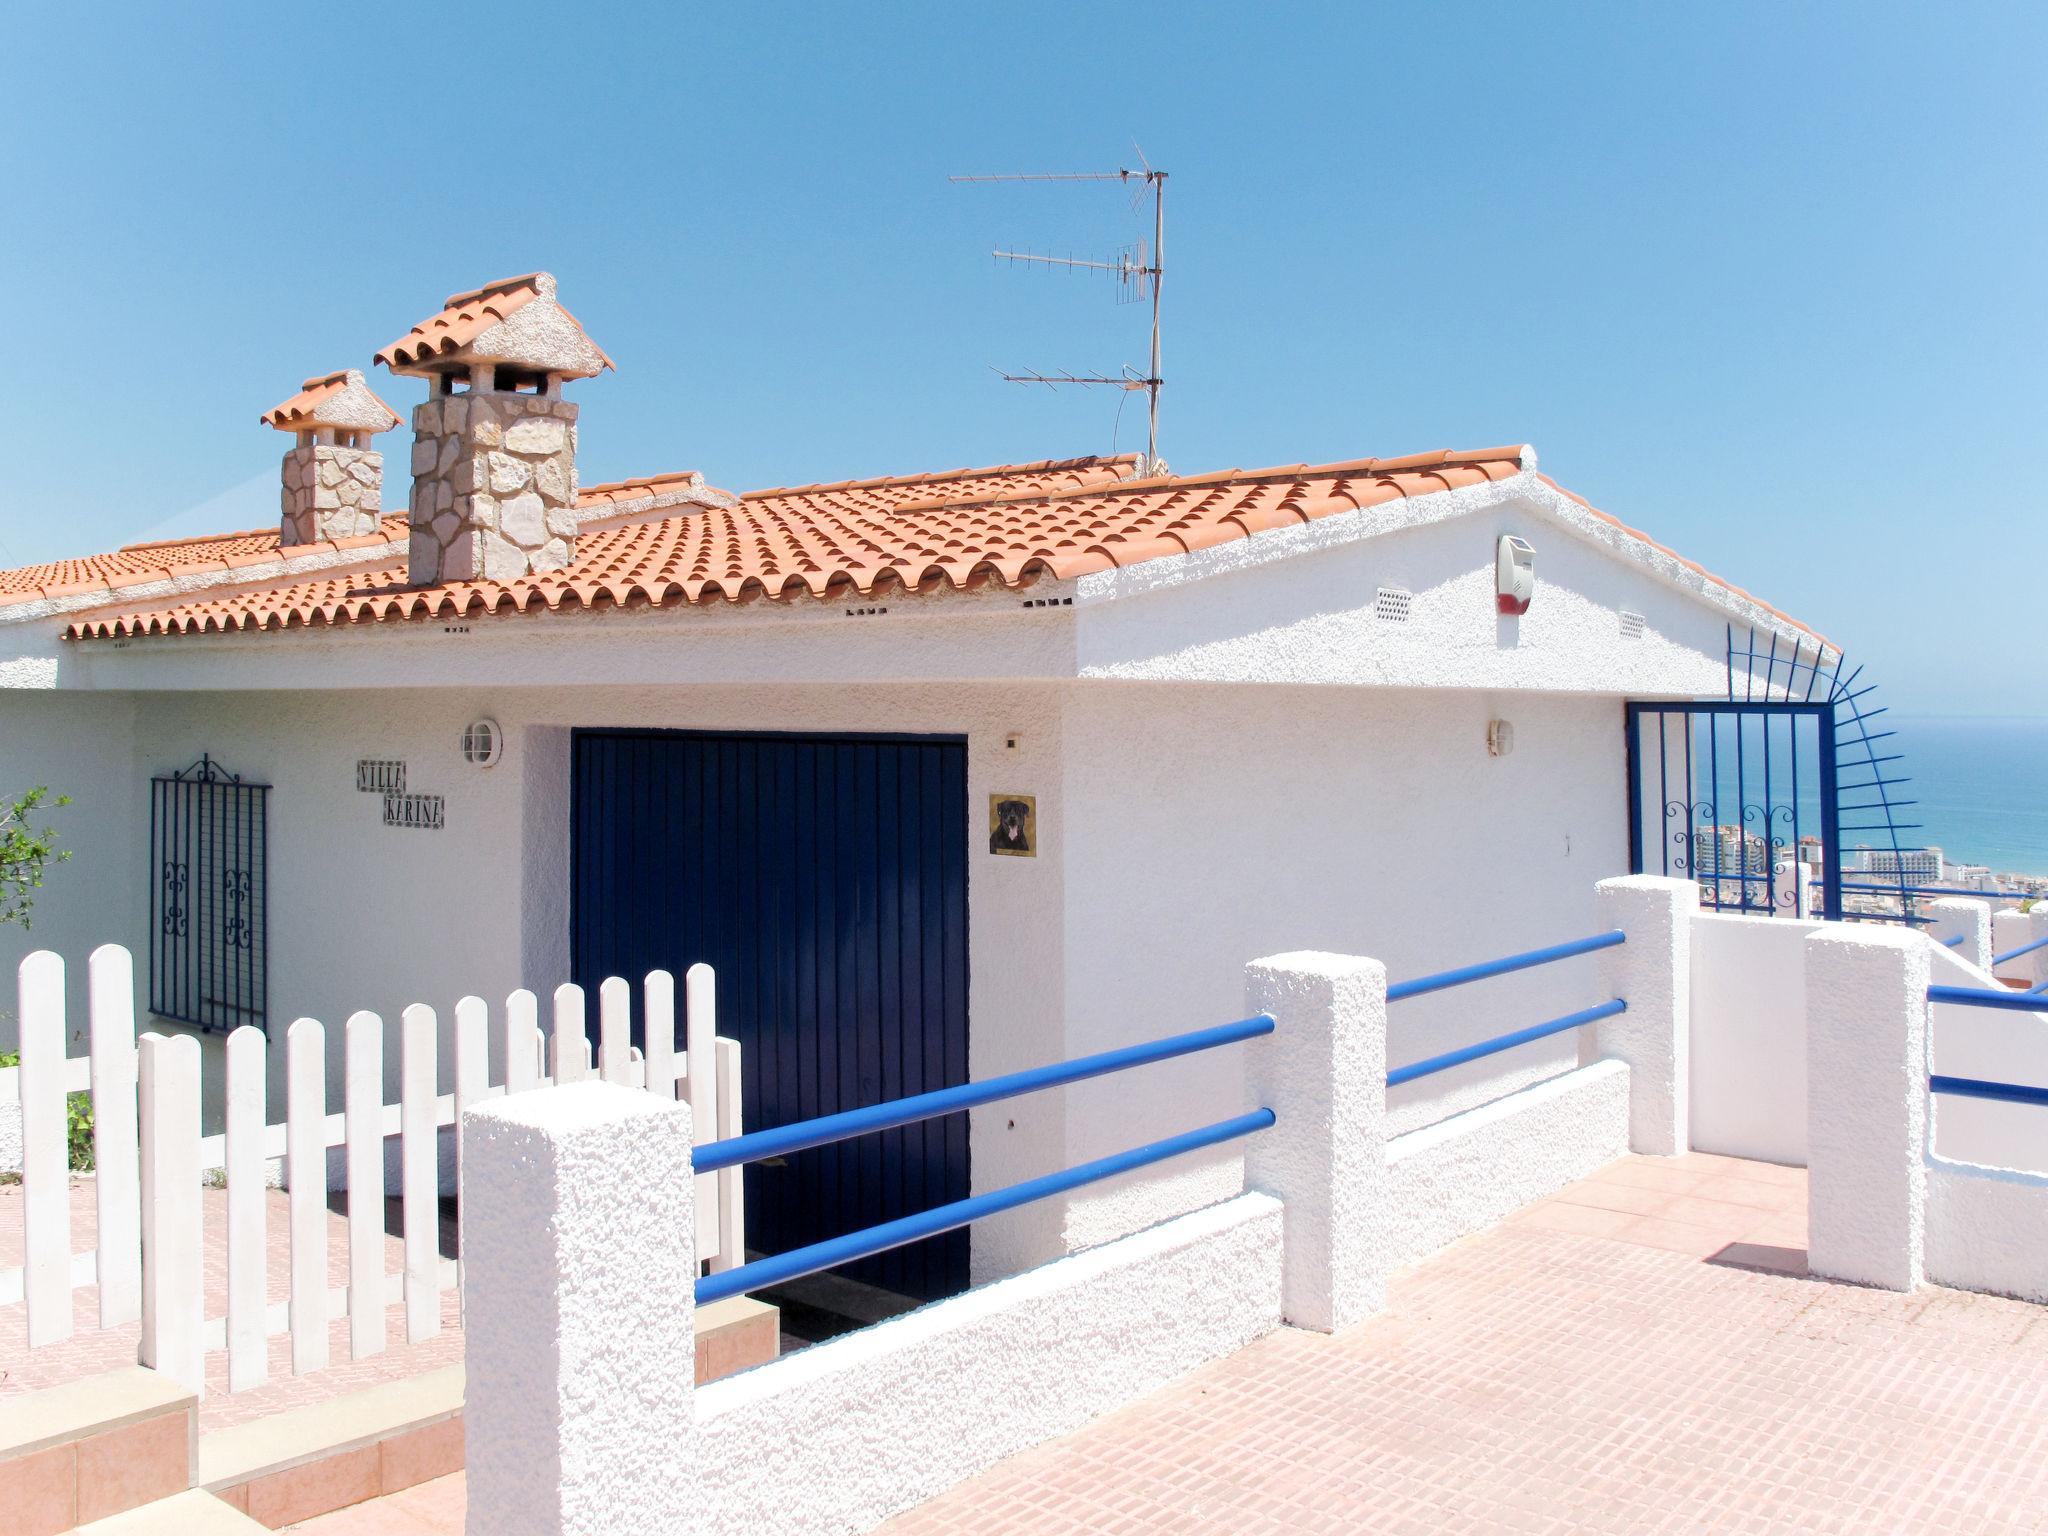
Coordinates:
(1392, 604)
(1631, 625)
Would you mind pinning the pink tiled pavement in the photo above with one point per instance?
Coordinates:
(91, 1349)
(1642, 1353)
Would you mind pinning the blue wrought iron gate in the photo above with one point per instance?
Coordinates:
(825, 879)
(1739, 797)
(1755, 796)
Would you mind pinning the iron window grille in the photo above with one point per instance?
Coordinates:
(209, 886)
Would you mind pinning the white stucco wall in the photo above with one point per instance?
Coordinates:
(1993, 1045)
(1207, 824)
(839, 1437)
(1987, 1229)
(84, 746)
(1749, 1036)
(1466, 1173)
(1749, 1083)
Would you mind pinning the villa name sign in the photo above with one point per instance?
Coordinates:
(426, 812)
(380, 776)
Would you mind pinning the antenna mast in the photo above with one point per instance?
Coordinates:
(1138, 271)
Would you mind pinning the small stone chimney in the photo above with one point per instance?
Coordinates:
(494, 447)
(333, 479)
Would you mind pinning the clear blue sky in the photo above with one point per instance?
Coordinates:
(1764, 280)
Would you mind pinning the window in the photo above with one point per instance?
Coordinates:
(208, 889)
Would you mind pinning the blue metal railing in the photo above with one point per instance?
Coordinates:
(802, 1135)
(1952, 943)
(1976, 1087)
(1458, 1058)
(1937, 890)
(1984, 997)
(1459, 976)
(2024, 949)
(866, 1243)
(1485, 968)
(909, 1229)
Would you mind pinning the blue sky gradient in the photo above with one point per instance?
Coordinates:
(1763, 280)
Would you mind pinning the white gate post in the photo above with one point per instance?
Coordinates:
(1652, 973)
(2015, 930)
(1866, 1104)
(1323, 1073)
(173, 1293)
(579, 1257)
(1960, 917)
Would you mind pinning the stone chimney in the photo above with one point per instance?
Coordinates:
(494, 447)
(333, 479)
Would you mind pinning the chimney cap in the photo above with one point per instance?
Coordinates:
(342, 400)
(513, 320)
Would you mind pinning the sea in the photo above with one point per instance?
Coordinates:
(1982, 786)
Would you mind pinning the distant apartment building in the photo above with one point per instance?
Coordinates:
(1733, 867)
(1910, 866)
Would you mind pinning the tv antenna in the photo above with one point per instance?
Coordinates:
(1137, 269)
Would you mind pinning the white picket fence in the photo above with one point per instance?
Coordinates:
(150, 1158)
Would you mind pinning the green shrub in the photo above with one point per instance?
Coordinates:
(78, 1120)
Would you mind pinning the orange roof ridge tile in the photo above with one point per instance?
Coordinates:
(197, 538)
(1444, 458)
(1041, 466)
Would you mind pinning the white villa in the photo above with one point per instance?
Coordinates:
(536, 730)
(1088, 923)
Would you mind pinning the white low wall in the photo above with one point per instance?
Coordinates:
(1466, 1173)
(1987, 1229)
(1992, 1045)
(1749, 1086)
(1749, 1036)
(845, 1434)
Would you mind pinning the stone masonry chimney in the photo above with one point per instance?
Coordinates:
(494, 446)
(333, 479)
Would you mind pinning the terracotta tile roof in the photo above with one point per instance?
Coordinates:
(135, 564)
(466, 316)
(339, 399)
(132, 564)
(1007, 526)
(919, 533)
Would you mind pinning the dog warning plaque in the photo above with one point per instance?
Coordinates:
(1013, 825)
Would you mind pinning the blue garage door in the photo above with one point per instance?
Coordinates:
(825, 878)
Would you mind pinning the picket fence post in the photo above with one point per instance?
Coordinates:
(615, 1031)
(731, 1182)
(306, 1166)
(248, 1337)
(658, 1004)
(45, 1153)
(173, 1300)
(110, 984)
(522, 1042)
(419, 1172)
(570, 1062)
(363, 1103)
(700, 1030)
